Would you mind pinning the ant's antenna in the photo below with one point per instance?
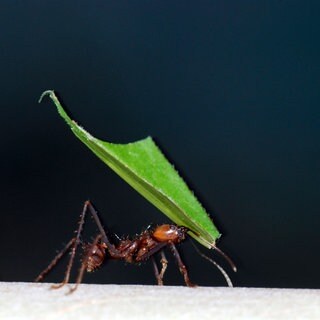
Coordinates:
(231, 263)
(224, 273)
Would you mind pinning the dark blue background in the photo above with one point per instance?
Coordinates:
(230, 91)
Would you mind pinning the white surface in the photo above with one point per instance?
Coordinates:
(37, 301)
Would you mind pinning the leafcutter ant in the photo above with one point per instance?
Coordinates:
(139, 249)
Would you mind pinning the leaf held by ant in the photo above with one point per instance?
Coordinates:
(143, 166)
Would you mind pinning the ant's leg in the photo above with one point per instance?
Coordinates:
(84, 263)
(87, 206)
(111, 248)
(181, 265)
(76, 241)
(54, 261)
(156, 271)
(164, 264)
(113, 251)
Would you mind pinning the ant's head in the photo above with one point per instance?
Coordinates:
(169, 233)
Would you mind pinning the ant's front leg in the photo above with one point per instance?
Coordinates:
(182, 267)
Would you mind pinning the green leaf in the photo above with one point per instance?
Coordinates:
(142, 165)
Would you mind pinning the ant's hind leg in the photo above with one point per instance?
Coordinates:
(182, 267)
(72, 245)
(76, 241)
(54, 261)
(111, 248)
(84, 264)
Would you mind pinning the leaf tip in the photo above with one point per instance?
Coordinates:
(45, 93)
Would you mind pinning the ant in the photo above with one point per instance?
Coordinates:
(137, 250)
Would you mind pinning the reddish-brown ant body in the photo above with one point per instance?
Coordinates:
(137, 250)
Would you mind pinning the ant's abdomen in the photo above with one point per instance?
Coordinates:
(95, 257)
